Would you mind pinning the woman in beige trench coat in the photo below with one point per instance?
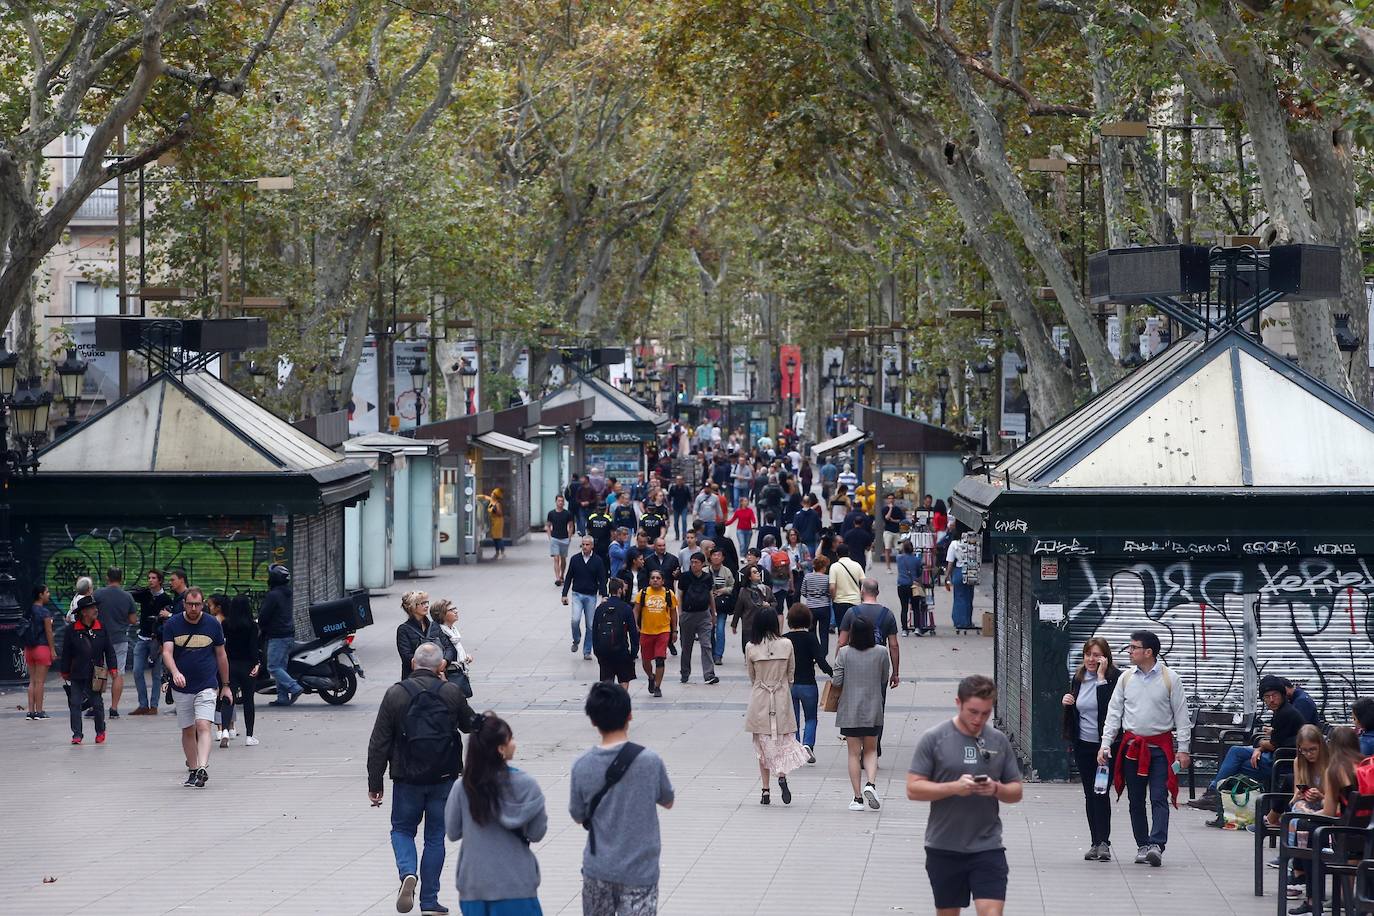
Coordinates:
(770, 718)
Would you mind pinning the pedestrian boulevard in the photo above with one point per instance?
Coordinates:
(285, 827)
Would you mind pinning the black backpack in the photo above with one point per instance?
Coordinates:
(608, 632)
(29, 633)
(429, 748)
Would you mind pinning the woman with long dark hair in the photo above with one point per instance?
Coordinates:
(770, 718)
(1085, 712)
(497, 811)
(243, 647)
(40, 649)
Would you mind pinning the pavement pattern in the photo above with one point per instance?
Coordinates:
(286, 828)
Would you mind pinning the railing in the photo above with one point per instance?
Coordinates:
(103, 204)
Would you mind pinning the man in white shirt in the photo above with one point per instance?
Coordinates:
(1148, 707)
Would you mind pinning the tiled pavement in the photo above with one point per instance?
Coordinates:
(285, 827)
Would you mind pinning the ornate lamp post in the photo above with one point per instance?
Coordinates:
(890, 375)
(468, 373)
(71, 372)
(334, 382)
(24, 413)
(942, 382)
(983, 371)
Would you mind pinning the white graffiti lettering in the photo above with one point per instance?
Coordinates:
(1334, 549)
(1013, 524)
(1056, 546)
(1313, 578)
(1269, 548)
(1179, 548)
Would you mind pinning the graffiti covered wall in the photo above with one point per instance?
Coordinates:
(220, 555)
(1224, 623)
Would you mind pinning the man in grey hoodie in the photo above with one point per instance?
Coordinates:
(620, 862)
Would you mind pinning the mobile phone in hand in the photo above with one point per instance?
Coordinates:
(980, 778)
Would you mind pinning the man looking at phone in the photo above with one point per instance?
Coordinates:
(1147, 708)
(964, 767)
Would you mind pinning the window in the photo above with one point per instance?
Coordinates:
(92, 299)
(103, 203)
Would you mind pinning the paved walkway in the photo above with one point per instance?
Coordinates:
(285, 827)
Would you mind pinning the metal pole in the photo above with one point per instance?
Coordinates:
(123, 265)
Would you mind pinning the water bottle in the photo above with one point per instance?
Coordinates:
(1100, 785)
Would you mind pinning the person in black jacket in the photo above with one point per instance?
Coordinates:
(586, 579)
(615, 637)
(154, 606)
(1085, 712)
(420, 784)
(244, 648)
(413, 630)
(85, 646)
(277, 624)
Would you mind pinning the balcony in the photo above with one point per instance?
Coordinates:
(101, 207)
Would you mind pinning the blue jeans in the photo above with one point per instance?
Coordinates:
(680, 526)
(278, 652)
(148, 655)
(743, 537)
(409, 803)
(804, 700)
(1158, 785)
(711, 528)
(740, 493)
(1237, 762)
(718, 652)
(511, 906)
(583, 607)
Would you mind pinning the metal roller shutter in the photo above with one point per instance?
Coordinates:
(1015, 613)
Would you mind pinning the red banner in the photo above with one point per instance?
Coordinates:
(790, 367)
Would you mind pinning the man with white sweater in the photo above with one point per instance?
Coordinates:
(1148, 708)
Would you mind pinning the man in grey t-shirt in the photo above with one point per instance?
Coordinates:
(620, 862)
(964, 767)
(119, 618)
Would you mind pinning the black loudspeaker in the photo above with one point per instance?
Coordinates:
(1131, 274)
(1248, 283)
(1304, 272)
(609, 356)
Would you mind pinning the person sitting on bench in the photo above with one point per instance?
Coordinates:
(1257, 761)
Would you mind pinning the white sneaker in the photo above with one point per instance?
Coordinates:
(871, 796)
(220, 734)
(233, 733)
(810, 754)
(856, 805)
(251, 741)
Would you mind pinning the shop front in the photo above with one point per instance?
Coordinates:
(614, 438)
(911, 458)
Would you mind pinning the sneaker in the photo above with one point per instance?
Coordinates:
(1104, 852)
(573, 649)
(433, 909)
(586, 656)
(190, 782)
(685, 678)
(1092, 853)
(405, 897)
(202, 777)
(1301, 909)
(295, 695)
(1154, 856)
(40, 715)
(233, 733)
(251, 741)
(114, 713)
(30, 717)
(1208, 801)
(718, 661)
(786, 791)
(223, 739)
(655, 692)
(1272, 863)
(76, 740)
(713, 680)
(871, 796)
(856, 805)
(99, 737)
(810, 753)
(1140, 855)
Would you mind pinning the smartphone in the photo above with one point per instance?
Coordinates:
(980, 778)
(1178, 767)
(1302, 787)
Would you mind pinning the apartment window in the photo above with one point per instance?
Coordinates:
(93, 299)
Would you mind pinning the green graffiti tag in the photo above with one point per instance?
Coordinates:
(231, 564)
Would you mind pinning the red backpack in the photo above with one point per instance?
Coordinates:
(1364, 776)
(781, 564)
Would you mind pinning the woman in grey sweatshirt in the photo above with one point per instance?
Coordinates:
(497, 811)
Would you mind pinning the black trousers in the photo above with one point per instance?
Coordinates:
(904, 596)
(242, 684)
(1098, 807)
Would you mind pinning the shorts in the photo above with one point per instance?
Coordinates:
(653, 646)
(193, 706)
(955, 876)
(890, 539)
(620, 669)
(38, 655)
(558, 547)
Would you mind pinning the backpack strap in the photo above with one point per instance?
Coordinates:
(626, 756)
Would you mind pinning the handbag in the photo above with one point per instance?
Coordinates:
(99, 677)
(460, 677)
(830, 696)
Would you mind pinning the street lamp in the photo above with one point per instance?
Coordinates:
(28, 409)
(468, 373)
(71, 371)
(983, 371)
(892, 373)
(942, 382)
(334, 382)
(791, 386)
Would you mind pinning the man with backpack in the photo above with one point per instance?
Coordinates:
(615, 637)
(1147, 708)
(777, 568)
(416, 735)
(614, 791)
